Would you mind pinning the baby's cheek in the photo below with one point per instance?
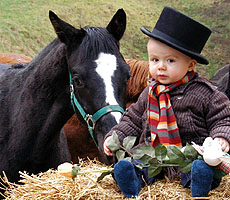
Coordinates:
(153, 73)
(178, 76)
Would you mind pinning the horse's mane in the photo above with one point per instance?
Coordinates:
(95, 41)
(139, 70)
(49, 50)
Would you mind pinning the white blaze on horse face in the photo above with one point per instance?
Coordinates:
(106, 66)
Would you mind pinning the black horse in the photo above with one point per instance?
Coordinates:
(35, 100)
(221, 80)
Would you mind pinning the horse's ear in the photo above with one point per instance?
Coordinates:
(65, 32)
(117, 24)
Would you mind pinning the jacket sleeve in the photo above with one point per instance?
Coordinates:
(131, 121)
(218, 116)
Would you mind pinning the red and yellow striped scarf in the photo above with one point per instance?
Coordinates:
(161, 118)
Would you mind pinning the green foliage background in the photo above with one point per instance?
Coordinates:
(25, 27)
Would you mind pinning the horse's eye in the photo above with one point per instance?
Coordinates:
(78, 83)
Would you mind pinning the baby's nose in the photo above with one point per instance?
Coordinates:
(161, 65)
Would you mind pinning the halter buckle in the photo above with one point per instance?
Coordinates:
(71, 88)
(90, 122)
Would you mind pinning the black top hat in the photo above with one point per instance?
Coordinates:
(181, 32)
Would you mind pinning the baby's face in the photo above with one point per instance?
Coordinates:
(167, 65)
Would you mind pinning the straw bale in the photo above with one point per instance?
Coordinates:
(51, 185)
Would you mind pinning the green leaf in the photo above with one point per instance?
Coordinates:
(153, 170)
(142, 150)
(128, 159)
(140, 164)
(104, 174)
(153, 161)
(186, 166)
(120, 154)
(190, 152)
(175, 155)
(113, 142)
(128, 142)
(145, 159)
(75, 171)
(160, 152)
(166, 159)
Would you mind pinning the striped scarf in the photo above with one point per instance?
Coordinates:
(161, 118)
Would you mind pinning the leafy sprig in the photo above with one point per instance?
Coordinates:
(153, 158)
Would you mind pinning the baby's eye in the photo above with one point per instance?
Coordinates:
(155, 60)
(171, 60)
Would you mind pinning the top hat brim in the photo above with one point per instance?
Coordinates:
(199, 58)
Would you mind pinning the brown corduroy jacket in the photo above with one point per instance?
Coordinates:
(200, 110)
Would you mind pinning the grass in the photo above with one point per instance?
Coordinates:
(25, 27)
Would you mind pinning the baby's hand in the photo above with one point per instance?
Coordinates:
(107, 151)
(224, 144)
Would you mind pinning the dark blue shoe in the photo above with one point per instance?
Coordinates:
(126, 178)
(201, 178)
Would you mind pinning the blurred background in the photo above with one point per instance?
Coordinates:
(25, 27)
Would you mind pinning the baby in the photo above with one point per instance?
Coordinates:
(177, 107)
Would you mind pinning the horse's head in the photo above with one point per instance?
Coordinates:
(98, 70)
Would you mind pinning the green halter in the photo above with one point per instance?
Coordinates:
(91, 120)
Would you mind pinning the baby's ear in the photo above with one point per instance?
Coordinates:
(192, 65)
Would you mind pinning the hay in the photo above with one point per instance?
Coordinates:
(51, 185)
